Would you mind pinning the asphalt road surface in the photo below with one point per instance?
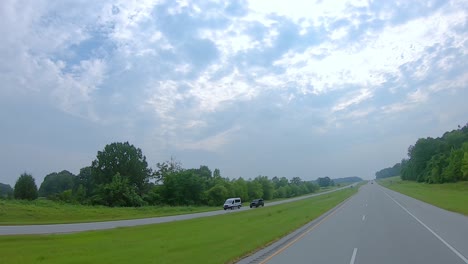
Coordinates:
(79, 227)
(376, 225)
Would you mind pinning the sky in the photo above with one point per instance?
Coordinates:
(278, 88)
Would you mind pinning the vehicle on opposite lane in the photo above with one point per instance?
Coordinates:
(256, 203)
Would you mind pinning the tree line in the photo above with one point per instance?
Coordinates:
(435, 160)
(395, 170)
(120, 176)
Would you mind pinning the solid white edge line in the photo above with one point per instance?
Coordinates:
(430, 230)
(353, 257)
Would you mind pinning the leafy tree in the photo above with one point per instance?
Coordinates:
(296, 180)
(311, 187)
(25, 187)
(464, 163)
(389, 172)
(267, 187)
(182, 188)
(5, 190)
(216, 195)
(240, 189)
(254, 189)
(324, 182)
(56, 183)
(452, 171)
(434, 169)
(120, 193)
(123, 159)
(84, 185)
(437, 160)
(165, 168)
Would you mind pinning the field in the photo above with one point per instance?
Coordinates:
(449, 196)
(216, 239)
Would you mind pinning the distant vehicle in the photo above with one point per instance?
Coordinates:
(232, 203)
(257, 203)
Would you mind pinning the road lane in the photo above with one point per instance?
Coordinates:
(372, 228)
(80, 227)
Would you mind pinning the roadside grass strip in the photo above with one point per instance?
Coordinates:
(449, 196)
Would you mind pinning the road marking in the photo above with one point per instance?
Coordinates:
(366, 205)
(430, 230)
(353, 257)
(363, 217)
(303, 234)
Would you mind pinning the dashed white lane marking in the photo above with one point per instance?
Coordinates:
(363, 217)
(430, 230)
(353, 257)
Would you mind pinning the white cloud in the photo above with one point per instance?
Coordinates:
(212, 143)
(344, 103)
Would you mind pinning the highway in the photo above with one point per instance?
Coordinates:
(376, 225)
(80, 227)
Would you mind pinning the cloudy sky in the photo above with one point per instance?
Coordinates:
(278, 88)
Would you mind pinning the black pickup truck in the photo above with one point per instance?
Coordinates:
(257, 203)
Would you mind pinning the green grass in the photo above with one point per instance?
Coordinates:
(217, 239)
(16, 212)
(449, 196)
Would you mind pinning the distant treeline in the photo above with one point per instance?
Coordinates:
(389, 172)
(6, 191)
(351, 179)
(435, 160)
(120, 176)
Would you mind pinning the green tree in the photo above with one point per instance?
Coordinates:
(268, 188)
(240, 189)
(183, 188)
(119, 193)
(56, 183)
(165, 168)
(84, 185)
(324, 182)
(464, 163)
(25, 187)
(434, 169)
(296, 180)
(216, 195)
(5, 190)
(254, 189)
(123, 159)
(311, 187)
(452, 172)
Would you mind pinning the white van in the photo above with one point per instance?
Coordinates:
(232, 203)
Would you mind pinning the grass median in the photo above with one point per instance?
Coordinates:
(216, 239)
(449, 196)
(17, 212)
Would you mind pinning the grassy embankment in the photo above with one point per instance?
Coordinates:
(449, 196)
(216, 239)
(14, 212)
